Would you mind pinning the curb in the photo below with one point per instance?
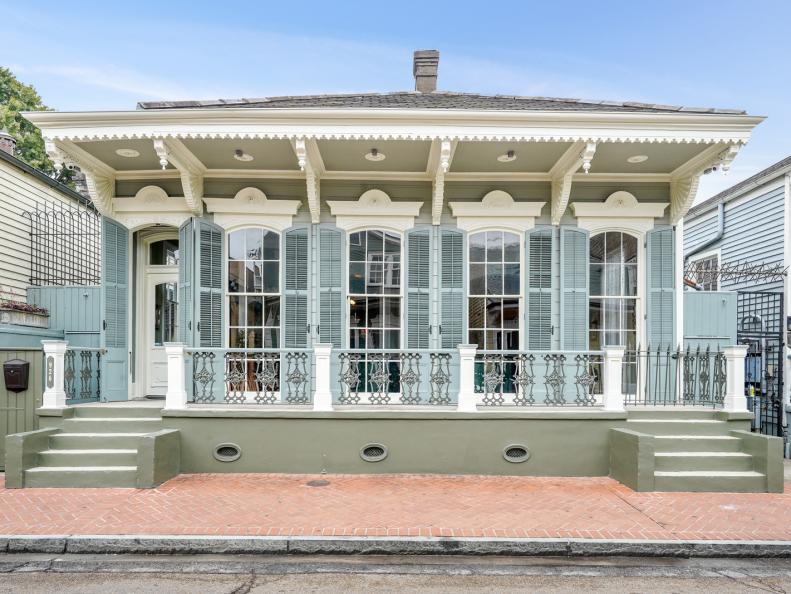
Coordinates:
(274, 545)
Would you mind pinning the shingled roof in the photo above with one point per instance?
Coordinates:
(435, 100)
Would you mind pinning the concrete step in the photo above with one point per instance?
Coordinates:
(112, 425)
(89, 457)
(697, 443)
(94, 441)
(712, 481)
(81, 476)
(85, 411)
(678, 426)
(670, 412)
(701, 461)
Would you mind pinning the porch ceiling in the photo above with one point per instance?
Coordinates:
(104, 151)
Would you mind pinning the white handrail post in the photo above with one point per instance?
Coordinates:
(322, 395)
(54, 373)
(613, 379)
(735, 399)
(176, 395)
(467, 401)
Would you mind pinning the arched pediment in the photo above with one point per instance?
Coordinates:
(374, 207)
(496, 209)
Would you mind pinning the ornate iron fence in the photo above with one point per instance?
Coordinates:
(251, 376)
(539, 378)
(414, 377)
(674, 377)
(82, 374)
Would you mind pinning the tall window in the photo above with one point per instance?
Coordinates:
(254, 288)
(493, 299)
(374, 290)
(613, 290)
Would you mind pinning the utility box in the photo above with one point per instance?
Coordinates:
(16, 374)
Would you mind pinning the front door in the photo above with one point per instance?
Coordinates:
(161, 310)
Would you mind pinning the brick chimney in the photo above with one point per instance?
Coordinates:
(424, 68)
(7, 142)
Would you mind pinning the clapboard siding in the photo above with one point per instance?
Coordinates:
(18, 409)
(74, 310)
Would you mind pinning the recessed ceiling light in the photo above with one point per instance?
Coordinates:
(375, 155)
(507, 157)
(240, 155)
(638, 159)
(127, 152)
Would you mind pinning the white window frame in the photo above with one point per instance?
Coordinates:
(700, 257)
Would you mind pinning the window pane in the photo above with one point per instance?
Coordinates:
(613, 247)
(236, 245)
(375, 244)
(357, 308)
(236, 313)
(596, 272)
(375, 314)
(477, 279)
(236, 277)
(271, 311)
(510, 247)
(629, 314)
(392, 313)
(255, 339)
(612, 314)
(253, 244)
(477, 247)
(597, 248)
(357, 339)
(255, 311)
(392, 244)
(271, 245)
(510, 313)
(236, 338)
(494, 340)
(271, 277)
(357, 277)
(254, 274)
(392, 274)
(271, 338)
(629, 245)
(594, 340)
(511, 279)
(511, 340)
(494, 246)
(477, 306)
(630, 279)
(374, 339)
(374, 285)
(494, 279)
(164, 253)
(612, 283)
(476, 337)
(392, 339)
(595, 314)
(494, 313)
(357, 247)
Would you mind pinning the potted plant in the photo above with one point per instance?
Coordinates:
(19, 313)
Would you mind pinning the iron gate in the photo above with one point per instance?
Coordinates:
(761, 327)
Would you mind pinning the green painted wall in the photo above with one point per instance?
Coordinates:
(18, 410)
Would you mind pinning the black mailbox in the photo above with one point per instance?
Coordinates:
(16, 373)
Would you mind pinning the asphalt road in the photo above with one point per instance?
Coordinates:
(210, 574)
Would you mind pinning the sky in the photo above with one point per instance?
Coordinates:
(725, 53)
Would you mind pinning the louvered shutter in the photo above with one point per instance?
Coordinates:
(186, 271)
(331, 306)
(452, 288)
(661, 288)
(418, 285)
(115, 311)
(539, 245)
(295, 322)
(208, 284)
(573, 289)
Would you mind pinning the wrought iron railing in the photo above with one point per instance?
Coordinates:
(554, 378)
(250, 376)
(397, 377)
(82, 374)
(674, 377)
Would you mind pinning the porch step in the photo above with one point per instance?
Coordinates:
(88, 457)
(669, 412)
(112, 425)
(93, 441)
(86, 411)
(697, 443)
(703, 461)
(713, 481)
(674, 427)
(81, 476)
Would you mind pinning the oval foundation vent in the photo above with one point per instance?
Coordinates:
(516, 453)
(373, 452)
(227, 452)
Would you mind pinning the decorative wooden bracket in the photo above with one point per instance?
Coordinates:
(579, 154)
(190, 169)
(99, 177)
(310, 161)
(439, 162)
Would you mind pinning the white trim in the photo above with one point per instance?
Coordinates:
(496, 210)
(621, 210)
(151, 205)
(787, 283)
(374, 210)
(251, 207)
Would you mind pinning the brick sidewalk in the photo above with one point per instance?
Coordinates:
(396, 505)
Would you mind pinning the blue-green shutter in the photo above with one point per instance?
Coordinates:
(452, 288)
(208, 284)
(295, 319)
(539, 246)
(331, 302)
(115, 311)
(661, 288)
(574, 248)
(186, 271)
(418, 255)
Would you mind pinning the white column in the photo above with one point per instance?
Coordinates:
(176, 395)
(54, 373)
(679, 257)
(467, 397)
(735, 400)
(322, 395)
(613, 379)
